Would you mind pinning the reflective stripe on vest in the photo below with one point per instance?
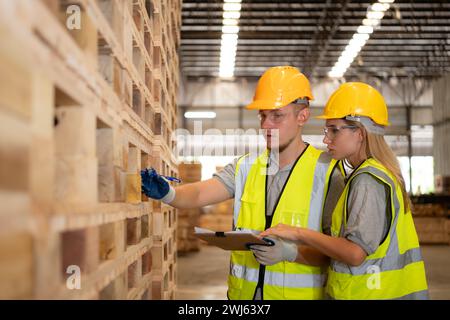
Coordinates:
(278, 278)
(300, 281)
(398, 265)
(393, 263)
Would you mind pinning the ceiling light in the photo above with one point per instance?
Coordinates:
(335, 74)
(230, 29)
(361, 36)
(356, 43)
(231, 7)
(226, 63)
(371, 22)
(228, 46)
(231, 15)
(350, 54)
(375, 13)
(200, 115)
(379, 7)
(364, 29)
(229, 22)
(229, 41)
(344, 60)
(227, 36)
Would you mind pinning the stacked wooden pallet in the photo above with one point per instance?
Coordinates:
(189, 218)
(447, 227)
(429, 210)
(431, 219)
(442, 184)
(87, 99)
(432, 230)
(218, 217)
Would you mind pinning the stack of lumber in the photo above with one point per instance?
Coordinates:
(87, 99)
(218, 217)
(189, 218)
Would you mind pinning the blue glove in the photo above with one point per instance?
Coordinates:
(153, 185)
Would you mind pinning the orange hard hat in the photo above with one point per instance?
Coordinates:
(356, 99)
(280, 86)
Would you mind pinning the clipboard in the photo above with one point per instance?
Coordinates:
(231, 240)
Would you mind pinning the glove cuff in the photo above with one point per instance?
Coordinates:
(290, 251)
(168, 198)
(293, 257)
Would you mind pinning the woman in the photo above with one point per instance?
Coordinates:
(371, 240)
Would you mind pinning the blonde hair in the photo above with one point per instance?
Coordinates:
(376, 147)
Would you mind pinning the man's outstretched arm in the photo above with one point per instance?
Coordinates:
(200, 194)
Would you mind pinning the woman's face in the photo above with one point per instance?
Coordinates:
(343, 140)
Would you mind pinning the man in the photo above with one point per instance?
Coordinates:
(270, 188)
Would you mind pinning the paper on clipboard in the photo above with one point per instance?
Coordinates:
(230, 240)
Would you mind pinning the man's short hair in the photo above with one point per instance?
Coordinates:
(301, 101)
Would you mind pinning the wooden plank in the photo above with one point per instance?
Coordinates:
(14, 152)
(117, 289)
(75, 131)
(76, 180)
(41, 168)
(80, 248)
(134, 193)
(15, 87)
(134, 274)
(145, 226)
(133, 231)
(112, 240)
(16, 266)
(85, 35)
(147, 263)
(98, 81)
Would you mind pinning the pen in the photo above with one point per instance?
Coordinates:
(172, 179)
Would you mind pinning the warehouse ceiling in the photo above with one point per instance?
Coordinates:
(412, 41)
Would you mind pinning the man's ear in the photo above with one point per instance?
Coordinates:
(303, 116)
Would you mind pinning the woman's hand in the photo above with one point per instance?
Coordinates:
(283, 231)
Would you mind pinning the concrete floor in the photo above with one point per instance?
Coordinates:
(202, 275)
(437, 266)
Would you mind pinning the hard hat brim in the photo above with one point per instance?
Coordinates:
(267, 105)
(264, 105)
(325, 117)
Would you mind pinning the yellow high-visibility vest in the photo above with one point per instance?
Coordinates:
(299, 204)
(396, 269)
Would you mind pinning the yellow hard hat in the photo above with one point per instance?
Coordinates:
(356, 99)
(278, 87)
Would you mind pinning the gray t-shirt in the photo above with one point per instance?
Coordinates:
(275, 182)
(367, 219)
(368, 222)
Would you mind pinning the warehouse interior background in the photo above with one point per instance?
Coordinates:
(91, 92)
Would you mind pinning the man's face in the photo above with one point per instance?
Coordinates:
(282, 126)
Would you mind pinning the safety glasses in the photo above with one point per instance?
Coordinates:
(332, 131)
